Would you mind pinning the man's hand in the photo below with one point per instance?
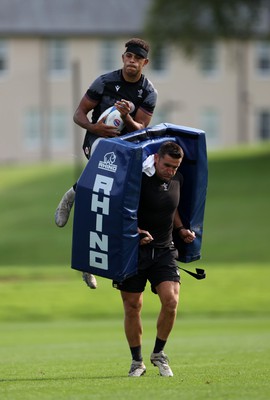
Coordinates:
(187, 235)
(124, 107)
(145, 237)
(102, 130)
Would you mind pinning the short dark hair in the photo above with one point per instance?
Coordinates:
(172, 149)
(138, 42)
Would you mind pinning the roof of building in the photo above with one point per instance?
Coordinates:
(85, 17)
(72, 17)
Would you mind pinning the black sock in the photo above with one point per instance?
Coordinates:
(159, 345)
(136, 353)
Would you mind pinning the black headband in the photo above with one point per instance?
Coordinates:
(136, 49)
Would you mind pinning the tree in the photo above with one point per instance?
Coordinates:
(191, 23)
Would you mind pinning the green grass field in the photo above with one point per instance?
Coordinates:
(60, 340)
(215, 359)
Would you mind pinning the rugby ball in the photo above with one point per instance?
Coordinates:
(113, 118)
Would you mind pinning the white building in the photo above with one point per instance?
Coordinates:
(51, 50)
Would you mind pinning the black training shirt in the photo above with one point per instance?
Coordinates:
(158, 203)
(111, 87)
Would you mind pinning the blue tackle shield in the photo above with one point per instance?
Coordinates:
(105, 238)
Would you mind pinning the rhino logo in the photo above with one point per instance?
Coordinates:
(108, 162)
(109, 158)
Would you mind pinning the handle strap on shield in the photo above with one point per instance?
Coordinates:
(200, 273)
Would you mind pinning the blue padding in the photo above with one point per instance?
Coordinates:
(105, 238)
(195, 172)
(93, 229)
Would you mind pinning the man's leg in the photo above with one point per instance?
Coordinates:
(168, 293)
(133, 329)
(63, 210)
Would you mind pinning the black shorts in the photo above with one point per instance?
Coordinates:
(156, 266)
(89, 139)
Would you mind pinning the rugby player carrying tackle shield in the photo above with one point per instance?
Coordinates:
(157, 217)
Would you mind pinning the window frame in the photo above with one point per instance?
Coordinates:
(262, 56)
(4, 57)
(58, 58)
(263, 124)
(208, 59)
(109, 55)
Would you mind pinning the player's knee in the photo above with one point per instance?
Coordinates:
(132, 307)
(170, 305)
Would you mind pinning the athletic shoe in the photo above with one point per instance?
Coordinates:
(137, 368)
(90, 280)
(64, 207)
(160, 360)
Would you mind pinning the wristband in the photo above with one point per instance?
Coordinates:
(142, 235)
(179, 228)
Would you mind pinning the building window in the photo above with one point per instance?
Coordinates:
(109, 56)
(263, 58)
(58, 59)
(208, 59)
(59, 129)
(32, 132)
(264, 124)
(3, 57)
(210, 123)
(159, 60)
